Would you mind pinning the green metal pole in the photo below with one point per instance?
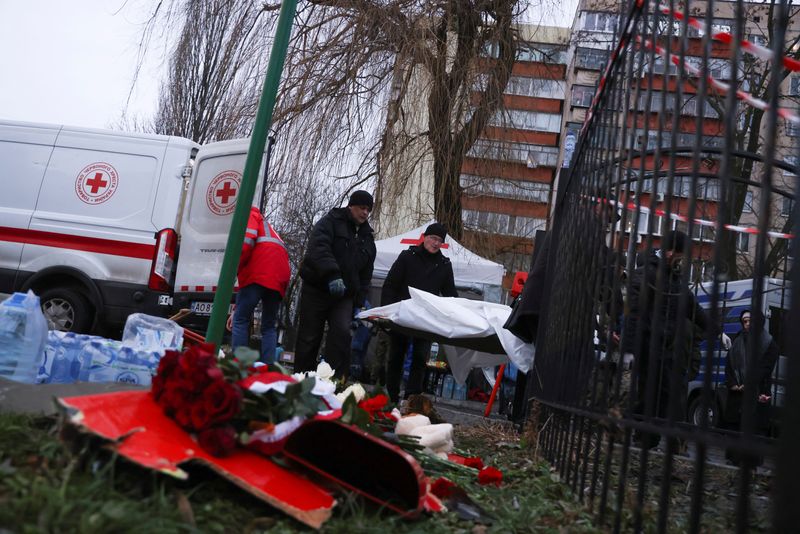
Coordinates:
(255, 153)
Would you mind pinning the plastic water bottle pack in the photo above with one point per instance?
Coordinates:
(152, 334)
(71, 357)
(23, 333)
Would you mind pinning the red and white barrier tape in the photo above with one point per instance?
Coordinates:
(630, 206)
(722, 87)
(753, 49)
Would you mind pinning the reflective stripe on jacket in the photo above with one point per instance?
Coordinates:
(264, 259)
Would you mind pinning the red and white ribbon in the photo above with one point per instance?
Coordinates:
(722, 87)
(753, 49)
(630, 206)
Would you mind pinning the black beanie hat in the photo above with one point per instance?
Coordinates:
(675, 241)
(361, 198)
(436, 229)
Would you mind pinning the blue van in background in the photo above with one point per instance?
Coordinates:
(734, 298)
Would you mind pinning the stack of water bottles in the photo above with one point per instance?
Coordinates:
(31, 354)
(73, 357)
(23, 332)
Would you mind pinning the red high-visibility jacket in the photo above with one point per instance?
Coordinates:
(264, 258)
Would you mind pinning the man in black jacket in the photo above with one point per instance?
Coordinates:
(653, 318)
(423, 267)
(336, 272)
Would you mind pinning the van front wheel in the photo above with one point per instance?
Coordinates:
(66, 310)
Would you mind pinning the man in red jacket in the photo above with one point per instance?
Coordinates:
(263, 276)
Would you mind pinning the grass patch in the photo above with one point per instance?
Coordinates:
(45, 487)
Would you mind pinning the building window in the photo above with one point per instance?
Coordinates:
(661, 66)
(542, 53)
(486, 221)
(742, 242)
(527, 226)
(794, 87)
(702, 233)
(786, 206)
(545, 156)
(748, 202)
(791, 160)
(582, 96)
(591, 58)
(524, 86)
(527, 120)
(499, 187)
(599, 22)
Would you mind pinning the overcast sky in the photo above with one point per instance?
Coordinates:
(73, 61)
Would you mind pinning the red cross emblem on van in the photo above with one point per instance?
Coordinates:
(222, 191)
(96, 183)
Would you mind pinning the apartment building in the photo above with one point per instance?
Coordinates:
(593, 36)
(507, 175)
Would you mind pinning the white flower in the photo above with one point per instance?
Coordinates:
(324, 371)
(354, 389)
(302, 376)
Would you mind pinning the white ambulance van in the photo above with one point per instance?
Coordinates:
(101, 224)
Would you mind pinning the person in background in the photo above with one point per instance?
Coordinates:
(736, 373)
(423, 267)
(652, 320)
(336, 272)
(362, 334)
(263, 277)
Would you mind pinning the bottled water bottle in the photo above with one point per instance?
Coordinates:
(23, 335)
(434, 352)
(447, 387)
(60, 371)
(96, 358)
(460, 392)
(53, 342)
(113, 362)
(149, 333)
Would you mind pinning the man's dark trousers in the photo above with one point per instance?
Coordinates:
(316, 307)
(397, 356)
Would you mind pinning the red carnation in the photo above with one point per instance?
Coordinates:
(442, 487)
(474, 462)
(490, 475)
(218, 440)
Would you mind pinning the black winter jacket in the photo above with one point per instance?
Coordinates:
(660, 320)
(338, 248)
(418, 268)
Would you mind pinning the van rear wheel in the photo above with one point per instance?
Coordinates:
(66, 310)
(695, 412)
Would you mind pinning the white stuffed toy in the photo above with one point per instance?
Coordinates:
(437, 439)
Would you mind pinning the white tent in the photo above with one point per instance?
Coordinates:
(468, 267)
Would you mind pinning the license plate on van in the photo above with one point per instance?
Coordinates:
(204, 308)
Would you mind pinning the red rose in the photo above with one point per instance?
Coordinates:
(166, 367)
(490, 475)
(222, 400)
(201, 417)
(374, 405)
(218, 440)
(183, 416)
(474, 462)
(197, 363)
(442, 487)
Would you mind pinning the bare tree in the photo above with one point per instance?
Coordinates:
(215, 69)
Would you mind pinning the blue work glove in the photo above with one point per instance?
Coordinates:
(336, 287)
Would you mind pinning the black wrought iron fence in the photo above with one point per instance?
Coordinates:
(653, 399)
